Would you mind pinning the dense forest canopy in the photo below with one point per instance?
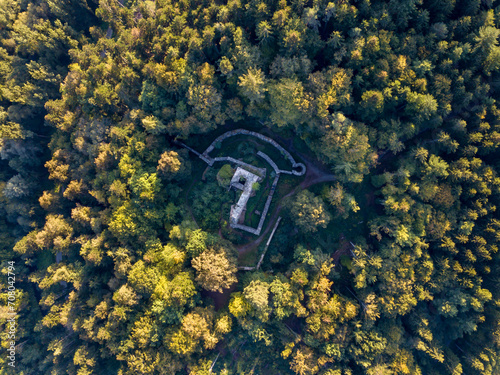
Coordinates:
(386, 261)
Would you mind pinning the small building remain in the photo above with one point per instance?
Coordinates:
(242, 180)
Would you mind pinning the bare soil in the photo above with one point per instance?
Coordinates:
(221, 299)
(344, 247)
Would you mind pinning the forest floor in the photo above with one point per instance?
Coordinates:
(343, 249)
(221, 299)
(187, 200)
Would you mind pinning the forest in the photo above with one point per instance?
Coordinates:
(385, 255)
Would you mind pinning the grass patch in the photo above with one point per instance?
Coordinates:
(249, 258)
(240, 146)
(256, 203)
(286, 184)
(201, 141)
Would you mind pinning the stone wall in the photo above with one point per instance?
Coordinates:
(189, 148)
(245, 228)
(257, 230)
(277, 170)
(238, 208)
(283, 152)
(259, 171)
(270, 161)
(268, 243)
(268, 203)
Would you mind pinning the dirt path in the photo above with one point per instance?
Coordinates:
(316, 171)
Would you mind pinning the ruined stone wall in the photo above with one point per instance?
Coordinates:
(235, 132)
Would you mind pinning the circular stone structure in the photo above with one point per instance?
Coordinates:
(299, 169)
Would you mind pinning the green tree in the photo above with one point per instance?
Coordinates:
(252, 85)
(288, 103)
(309, 212)
(225, 175)
(345, 145)
(215, 270)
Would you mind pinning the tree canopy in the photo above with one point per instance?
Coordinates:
(386, 258)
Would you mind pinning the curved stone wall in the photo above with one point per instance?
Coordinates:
(235, 132)
(270, 161)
